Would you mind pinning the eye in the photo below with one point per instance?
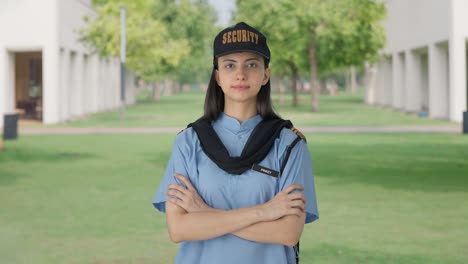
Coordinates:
(229, 66)
(252, 65)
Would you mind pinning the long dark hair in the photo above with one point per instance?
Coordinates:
(214, 99)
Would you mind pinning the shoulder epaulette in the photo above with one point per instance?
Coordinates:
(298, 133)
(181, 131)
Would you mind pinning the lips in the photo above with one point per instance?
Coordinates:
(240, 87)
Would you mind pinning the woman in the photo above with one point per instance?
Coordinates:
(236, 185)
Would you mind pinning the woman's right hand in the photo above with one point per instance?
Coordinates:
(285, 203)
(186, 196)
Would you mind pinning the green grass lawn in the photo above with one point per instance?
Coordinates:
(383, 198)
(181, 109)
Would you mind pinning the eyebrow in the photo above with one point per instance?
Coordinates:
(249, 59)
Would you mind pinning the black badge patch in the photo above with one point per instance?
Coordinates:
(265, 170)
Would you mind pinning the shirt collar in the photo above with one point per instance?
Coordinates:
(235, 126)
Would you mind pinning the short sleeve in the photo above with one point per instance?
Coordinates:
(298, 170)
(176, 164)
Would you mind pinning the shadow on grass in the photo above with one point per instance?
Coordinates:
(422, 167)
(9, 176)
(16, 156)
(327, 253)
(38, 155)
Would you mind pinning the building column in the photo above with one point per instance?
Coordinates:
(64, 71)
(424, 81)
(398, 80)
(387, 93)
(94, 82)
(438, 82)
(102, 85)
(7, 83)
(51, 77)
(370, 83)
(72, 85)
(116, 82)
(457, 60)
(380, 82)
(86, 84)
(412, 92)
(107, 97)
(78, 84)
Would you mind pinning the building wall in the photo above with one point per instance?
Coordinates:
(427, 42)
(75, 81)
(25, 26)
(412, 24)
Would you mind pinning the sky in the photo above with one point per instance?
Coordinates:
(224, 8)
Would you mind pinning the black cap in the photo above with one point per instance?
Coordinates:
(238, 38)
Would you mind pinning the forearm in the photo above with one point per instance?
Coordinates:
(286, 231)
(189, 218)
(185, 226)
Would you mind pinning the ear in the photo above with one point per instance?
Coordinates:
(266, 77)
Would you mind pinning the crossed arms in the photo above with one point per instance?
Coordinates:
(280, 220)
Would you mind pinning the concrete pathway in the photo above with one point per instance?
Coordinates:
(142, 130)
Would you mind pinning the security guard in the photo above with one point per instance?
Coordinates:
(238, 187)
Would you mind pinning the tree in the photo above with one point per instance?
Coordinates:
(330, 34)
(193, 22)
(341, 33)
(149, 46)
(286, 44)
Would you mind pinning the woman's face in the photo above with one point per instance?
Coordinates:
(241, 75)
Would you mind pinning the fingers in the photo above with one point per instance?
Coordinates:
(298, 204)
(185, 180)
(177, 187)
(175, 193)
(293, 187)
(296, 211)
(297, 196)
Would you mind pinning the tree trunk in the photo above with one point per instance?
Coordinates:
(353, 80)
(348, 81)
(281, 91)
(314, 89)
(274, 83)
(168, 87)
(323, 86)
(156, 91)
(293, 84)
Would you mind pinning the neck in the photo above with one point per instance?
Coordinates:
(241, 111)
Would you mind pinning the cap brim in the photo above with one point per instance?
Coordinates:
(242, 50)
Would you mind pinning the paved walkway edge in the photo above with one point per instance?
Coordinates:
(142, 130)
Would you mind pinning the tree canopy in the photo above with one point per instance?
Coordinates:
(318, 36)
(164, 37)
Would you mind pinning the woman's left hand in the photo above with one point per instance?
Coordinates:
(186, 196)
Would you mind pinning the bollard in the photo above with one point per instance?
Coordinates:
(465, 122)
(10, 126)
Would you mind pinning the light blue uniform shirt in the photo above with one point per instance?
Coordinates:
(225, 191)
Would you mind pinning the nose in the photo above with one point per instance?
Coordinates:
(241, 74)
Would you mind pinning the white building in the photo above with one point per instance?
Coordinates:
(46, 74)
(423, 67)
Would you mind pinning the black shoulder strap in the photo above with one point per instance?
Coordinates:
(257, 147)
(283, 165)
(288, 152)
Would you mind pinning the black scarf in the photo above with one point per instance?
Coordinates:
(255, 150)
